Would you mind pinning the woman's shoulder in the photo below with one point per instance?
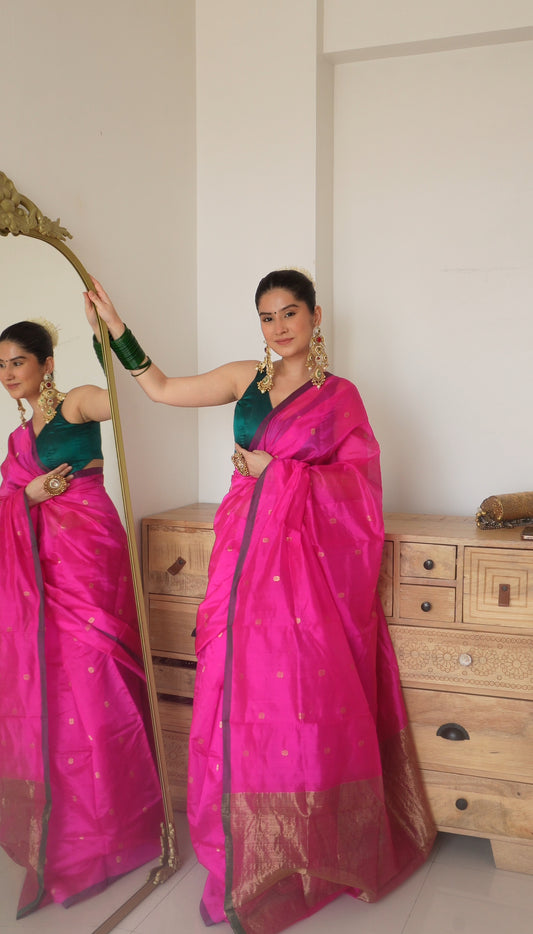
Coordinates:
(73, 403)
(243, 372)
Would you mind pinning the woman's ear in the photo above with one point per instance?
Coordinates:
(317, 316)
(49, 366)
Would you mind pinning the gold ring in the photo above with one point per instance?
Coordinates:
(55, 485)
(239, 462)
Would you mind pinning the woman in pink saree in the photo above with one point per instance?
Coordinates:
(80, 800)
(303, 781)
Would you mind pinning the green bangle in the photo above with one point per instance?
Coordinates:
(128, 351)
(143, 368)
(98, 351)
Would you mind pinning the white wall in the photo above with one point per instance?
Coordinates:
(257, 182)
(99, 127)
(433, 268)
(372, 28)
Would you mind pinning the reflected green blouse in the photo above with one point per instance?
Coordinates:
(251, 409)
(62, 442)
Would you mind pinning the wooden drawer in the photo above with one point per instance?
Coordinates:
(178, 560)
(386, 577)
(174, 677)
(176, 748)
(428, 561)
(175, 716)
(495, 664)
(427, 602)
(172, 623)
(499, 734)
(482, 807)
(488, 572)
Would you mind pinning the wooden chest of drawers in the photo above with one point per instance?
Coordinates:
(461, 619)
(459, 603)
(176, 546)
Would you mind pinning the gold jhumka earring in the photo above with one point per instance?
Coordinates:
(265, 385)
(22, 412)
(317, 358)
(49, 397)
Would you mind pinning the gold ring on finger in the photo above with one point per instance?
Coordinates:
(55, 485)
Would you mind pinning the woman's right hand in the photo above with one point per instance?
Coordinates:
(35, 491)
(98, 299)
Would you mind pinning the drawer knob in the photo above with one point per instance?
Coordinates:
(465, 659)
(461, 804)
(452, 731)
(429, 564)
(426, 606)
(177, 566)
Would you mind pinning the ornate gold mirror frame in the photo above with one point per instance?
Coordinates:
(21, 217)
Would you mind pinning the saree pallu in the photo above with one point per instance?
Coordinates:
(80, 799)
(303, 782)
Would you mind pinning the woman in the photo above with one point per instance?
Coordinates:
(303, 783)
(80, 801)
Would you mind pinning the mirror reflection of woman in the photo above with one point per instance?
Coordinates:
(80, 799)
(303, 782)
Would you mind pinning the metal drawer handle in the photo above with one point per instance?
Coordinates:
(461, 804)
(177, 566)
(452, 731)
(429, 564)
(426, 606)
(465, 659)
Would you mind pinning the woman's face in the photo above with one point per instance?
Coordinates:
(286, 323)
(20, 371)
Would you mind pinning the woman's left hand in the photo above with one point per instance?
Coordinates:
(256, 461)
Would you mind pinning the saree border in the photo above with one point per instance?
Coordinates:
(226, 707)
(41, 632)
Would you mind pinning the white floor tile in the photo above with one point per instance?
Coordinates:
(481, 900)
(179, 910)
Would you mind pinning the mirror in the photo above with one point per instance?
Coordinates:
(40, 277)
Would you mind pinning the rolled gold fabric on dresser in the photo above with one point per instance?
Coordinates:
(496, 512)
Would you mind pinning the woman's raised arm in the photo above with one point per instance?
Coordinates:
(217, 387)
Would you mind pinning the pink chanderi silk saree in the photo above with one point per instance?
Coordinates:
(303, 782)
(80, 800)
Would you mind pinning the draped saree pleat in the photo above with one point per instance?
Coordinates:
(303, 782)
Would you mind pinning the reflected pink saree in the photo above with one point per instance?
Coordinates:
(303, 782)
(80, 802)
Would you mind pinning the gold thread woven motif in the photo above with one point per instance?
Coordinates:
(280, 872)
